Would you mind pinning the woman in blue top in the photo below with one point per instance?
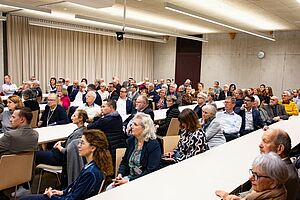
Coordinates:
(94, 147)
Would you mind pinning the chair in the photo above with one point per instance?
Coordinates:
(15, 169)
(173, 128)
(170, 142)
(34, 120)
(102, 184)
(48, 168)
(119, 155)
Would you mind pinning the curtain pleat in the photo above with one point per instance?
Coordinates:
(46, 52)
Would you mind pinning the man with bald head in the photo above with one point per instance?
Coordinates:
(275, 111)
(278, 141)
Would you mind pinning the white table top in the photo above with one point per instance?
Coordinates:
(42, 107)
(224, 167)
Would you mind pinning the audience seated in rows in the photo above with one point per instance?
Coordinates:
(211, 127)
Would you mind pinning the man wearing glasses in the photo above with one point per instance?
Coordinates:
(251, 119)
(276, 111)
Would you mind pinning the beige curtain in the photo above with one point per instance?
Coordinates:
(46, 52)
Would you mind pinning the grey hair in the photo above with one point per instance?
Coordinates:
(148, 126)
(211, 109)
(174, 84)
(93, 93)
(203, 95)
(271, 164)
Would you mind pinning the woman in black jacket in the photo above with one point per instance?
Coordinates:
(172, 112)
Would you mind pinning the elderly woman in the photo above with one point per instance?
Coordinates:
(267, 176)
(54, 113)
(142, 154)
(93, 146)
(211, 127)
(14, 102)
(172, 112)
(201, 101)
(103, 92)
(162, 103)
(192, 140)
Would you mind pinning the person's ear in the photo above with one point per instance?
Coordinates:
(280, 149)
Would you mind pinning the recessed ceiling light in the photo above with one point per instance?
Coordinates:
(298, 1)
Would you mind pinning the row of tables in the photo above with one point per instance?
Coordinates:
(224, 167)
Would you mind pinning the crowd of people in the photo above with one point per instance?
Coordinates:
(111, 115)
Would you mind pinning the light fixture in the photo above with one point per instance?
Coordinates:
(141, 29)
(298, 1)
(24, 6)
(193, 14)
(93, 31)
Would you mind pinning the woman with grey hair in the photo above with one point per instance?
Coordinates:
(267, 176)
(211, 127)
(142, 154)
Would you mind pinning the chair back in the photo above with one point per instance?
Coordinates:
(119, 155)
(35, 119)
(15, 169)
(170, 142)
(102, 184)
(173, 128)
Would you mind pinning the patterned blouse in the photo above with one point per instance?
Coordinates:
(190, 144)
(134, 162)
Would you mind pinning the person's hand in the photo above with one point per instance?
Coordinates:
(169, 154)
(243, 107)
(119, 180)
(57, 144)
(57, 192)
(221, 193)
(276, 118)
(48, 192)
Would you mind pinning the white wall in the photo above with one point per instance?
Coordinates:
(164, 59)
(1, 54)
(235, 61)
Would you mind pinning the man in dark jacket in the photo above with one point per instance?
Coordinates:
(111, 124)
(276, 111)
(251, 119)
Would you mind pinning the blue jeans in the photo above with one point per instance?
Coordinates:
(35, 197)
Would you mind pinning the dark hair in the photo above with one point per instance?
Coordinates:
(84, 80)
(252, 99)
(101, 155)
(91, 87)
(134, 85)
(111, 103)
(270, 91)
(83, 114)
(26, 113)
(190, 118)
(230, 86)
(284, 139)
(28, 93)
(53, 78)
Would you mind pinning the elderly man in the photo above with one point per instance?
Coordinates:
(89, 106)
(54, 113)
(201, 99)
(290, 107)
(230, 121)
(276, 111)
(8, 88)
(278, 141)
(152, 94)
(35, 87)
(111, 124)
(251, 119)
(77, 95)
(92, 87)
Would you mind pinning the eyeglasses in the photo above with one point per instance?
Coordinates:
(255, 175)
